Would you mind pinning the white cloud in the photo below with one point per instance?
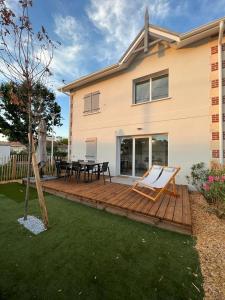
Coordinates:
(67, 59)
(12, 4)
(119, 21)
(116, 22)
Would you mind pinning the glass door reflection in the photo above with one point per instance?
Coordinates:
(126, 155)
(141, 156)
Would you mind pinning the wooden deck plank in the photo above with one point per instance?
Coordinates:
(162, 209)
(178, 210)
(156, 205)
(167, 211)
(170, 209)
(186, 208)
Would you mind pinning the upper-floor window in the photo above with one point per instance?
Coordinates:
(91, 102)
(150, 88)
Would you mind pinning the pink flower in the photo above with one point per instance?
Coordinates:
(206, 187)
(222, 179)
(210, 179)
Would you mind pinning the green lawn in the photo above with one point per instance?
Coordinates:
(90, 254)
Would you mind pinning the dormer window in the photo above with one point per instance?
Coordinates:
(151, 88)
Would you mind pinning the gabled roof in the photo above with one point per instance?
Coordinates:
(155, 35)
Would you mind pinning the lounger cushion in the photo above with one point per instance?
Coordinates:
(165, 177)
(152, 176)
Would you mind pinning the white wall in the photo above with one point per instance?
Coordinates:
(4, 153)
(185, 116)
(3, 138)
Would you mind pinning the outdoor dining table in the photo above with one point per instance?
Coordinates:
(86, 166)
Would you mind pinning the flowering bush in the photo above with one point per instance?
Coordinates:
(214, 188)
(210, 182)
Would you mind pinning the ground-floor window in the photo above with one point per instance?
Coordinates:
(91, 149)
(137, 154)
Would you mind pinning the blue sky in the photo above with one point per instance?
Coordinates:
(95, 33)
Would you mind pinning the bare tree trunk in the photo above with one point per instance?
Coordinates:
(29, 159)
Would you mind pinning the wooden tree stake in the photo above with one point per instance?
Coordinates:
(41, 198)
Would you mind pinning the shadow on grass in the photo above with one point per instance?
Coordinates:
(16, 191)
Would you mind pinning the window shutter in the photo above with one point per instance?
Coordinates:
(87, 103)
(91, 148)
(95, 101)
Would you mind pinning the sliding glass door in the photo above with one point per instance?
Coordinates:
(137, 154)
(126, 156)
(160, 149)
(141, 156)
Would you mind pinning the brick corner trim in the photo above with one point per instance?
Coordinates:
(215, 136)
(215, 118)
(214, 49)
(215, 153)
(215, 100)
(214, 66)
(215, 83)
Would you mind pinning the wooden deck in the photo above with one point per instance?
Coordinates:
(168, 212)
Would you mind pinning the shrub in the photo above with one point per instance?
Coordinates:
(198, 176)
(214, 188)
(210, 182)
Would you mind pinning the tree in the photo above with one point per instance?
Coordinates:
(25, 58)
(13, 118)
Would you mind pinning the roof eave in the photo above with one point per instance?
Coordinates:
(91, 77)
(181, 40)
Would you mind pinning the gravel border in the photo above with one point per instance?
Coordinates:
(33, 224)
(210, 244)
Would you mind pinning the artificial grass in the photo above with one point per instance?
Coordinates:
(91, 254)
(16, 191)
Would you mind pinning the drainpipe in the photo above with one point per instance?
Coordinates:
(220, 77)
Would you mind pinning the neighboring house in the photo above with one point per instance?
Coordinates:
(4, 152)
(162, 103)
(3, 138)
(17, 147)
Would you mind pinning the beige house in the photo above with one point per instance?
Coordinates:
(162, 103)
(17, 147)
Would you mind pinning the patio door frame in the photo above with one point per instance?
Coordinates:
(133, 152)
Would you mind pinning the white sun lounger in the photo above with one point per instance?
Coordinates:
(160, 184)
(151, 175)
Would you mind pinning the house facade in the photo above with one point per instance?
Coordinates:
(162, 103)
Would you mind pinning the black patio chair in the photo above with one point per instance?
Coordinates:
(89, 170)
(104, 167)
(62, 165)
(76, 169)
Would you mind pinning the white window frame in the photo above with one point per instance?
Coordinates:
(149, 77)
(134, 137)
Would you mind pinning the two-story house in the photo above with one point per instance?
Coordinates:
(162, 103)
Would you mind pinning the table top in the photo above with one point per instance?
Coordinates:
(84, 163)
(88, 163)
